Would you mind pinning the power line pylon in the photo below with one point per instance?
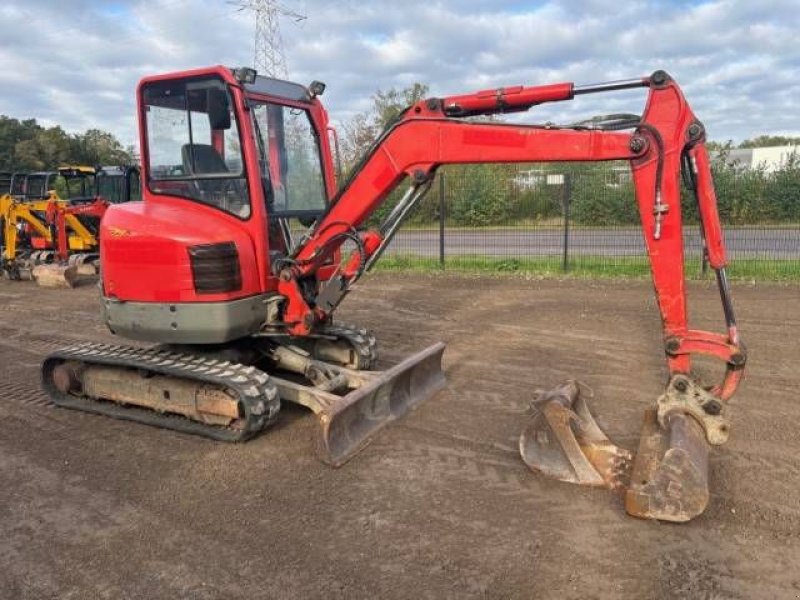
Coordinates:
(268, 55)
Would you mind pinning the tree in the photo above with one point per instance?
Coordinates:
(13, 132)
(359, 134)
(96, 147)
(763, 141)
(481, 194)
(390, 104)
(27, 146)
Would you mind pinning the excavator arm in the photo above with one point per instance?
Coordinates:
(63, 218)
(664, 143)
(667, 138)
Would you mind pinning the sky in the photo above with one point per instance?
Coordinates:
(76, 62)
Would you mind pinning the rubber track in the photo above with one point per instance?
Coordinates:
(257, 395)
(362, 340)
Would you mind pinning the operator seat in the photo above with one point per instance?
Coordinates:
(206, 160)
(229, 195)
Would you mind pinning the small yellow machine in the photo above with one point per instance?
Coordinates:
(37, 227)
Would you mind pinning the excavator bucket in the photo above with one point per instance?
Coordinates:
(85, 263)
(55, 275)
(563, 441)
(80, 268)
(368, 401)
(667, 480)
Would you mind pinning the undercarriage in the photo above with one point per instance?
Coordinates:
(231, 392)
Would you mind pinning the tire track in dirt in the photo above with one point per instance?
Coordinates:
(469, 466)
(778, 466)
(493, 466)
(34, 343)
(24, 392)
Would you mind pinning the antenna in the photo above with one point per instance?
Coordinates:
(268, 56)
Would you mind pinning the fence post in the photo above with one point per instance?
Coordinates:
(441, 219)
(704, 261)
(566, 202)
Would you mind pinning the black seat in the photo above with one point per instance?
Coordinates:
(202, 159)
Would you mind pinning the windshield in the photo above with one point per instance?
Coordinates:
(5, 183)
(193, 144)
(290, 158)
(36, 186)
(118, 185)
(78, 186)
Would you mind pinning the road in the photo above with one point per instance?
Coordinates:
(752, 242)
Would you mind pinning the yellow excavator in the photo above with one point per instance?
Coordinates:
(53, 239)
(27, 237)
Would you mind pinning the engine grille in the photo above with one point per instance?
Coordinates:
(215, 268)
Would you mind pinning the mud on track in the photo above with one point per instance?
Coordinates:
(439, 505)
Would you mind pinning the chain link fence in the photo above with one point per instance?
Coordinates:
(584, 219)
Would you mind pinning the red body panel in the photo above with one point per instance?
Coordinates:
(40, 243)
(144, 250)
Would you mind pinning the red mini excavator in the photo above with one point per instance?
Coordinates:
(241, 307)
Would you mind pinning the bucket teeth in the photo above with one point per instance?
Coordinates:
(564, 441)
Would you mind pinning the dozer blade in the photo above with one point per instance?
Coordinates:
(348, 422)
(564, 441)
(669, 481)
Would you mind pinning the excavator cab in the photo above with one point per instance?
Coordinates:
(118, 183)
(17, 189)
(195, 149)
(38, 185)
(78, 182)
(5, 183)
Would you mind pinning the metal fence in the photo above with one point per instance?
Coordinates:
(527, 218)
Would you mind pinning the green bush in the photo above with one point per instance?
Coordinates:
(782, 193)
(480, 196)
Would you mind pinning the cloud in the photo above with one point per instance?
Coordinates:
(76, 62)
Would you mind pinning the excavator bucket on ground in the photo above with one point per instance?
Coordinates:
(55, 275)
(669, 480)
(357, 404)
(563, 441)
(666, 480)
(80, 268)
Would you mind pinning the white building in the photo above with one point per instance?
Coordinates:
(770, 158)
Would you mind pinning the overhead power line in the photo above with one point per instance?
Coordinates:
(268, 54)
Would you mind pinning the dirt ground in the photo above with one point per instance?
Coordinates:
(440, 504)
